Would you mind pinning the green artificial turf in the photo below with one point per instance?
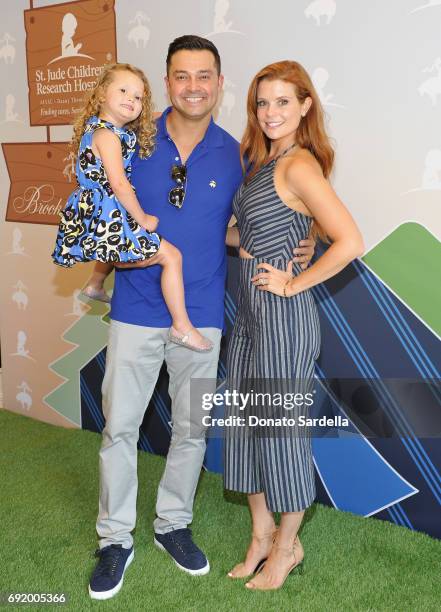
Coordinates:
(49, 501)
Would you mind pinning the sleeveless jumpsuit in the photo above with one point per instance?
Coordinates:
(274, 344)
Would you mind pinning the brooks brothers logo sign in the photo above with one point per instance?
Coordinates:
(42, 175)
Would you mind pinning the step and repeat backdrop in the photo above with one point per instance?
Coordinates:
(381, 317)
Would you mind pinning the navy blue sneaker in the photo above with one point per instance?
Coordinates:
(180, 546)
(108, 576)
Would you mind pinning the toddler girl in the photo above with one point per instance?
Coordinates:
(103, 219)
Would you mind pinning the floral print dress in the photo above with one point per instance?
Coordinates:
(94, 225)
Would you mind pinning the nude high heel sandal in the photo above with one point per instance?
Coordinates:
(298, 563)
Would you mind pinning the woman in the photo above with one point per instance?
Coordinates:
(276, 333)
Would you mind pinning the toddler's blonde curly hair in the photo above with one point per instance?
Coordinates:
(144, 126)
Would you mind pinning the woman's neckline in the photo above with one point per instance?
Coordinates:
(274, 159)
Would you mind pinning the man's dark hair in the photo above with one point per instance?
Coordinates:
(191, 42)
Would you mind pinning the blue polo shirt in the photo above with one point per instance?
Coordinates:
(197, 229)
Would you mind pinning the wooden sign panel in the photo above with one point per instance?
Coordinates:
(66, 47)
(42, 176)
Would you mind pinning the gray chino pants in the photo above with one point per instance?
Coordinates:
(134, 357)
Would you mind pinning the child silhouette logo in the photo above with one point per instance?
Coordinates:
(140, 32)
(20, 296)
(10, 114)
(22, 351)
(17, 247)
(7, 51)
(321, 8)
(23, 397)
(221, 23)
(68, 47)
(320, 78)
(431, 175)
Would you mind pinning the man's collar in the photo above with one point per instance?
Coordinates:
(213, 136)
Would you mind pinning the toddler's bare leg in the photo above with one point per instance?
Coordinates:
(169, 257)
(94, 288)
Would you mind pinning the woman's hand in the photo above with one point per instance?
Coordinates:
(274, 280)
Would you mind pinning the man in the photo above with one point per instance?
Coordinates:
(189, 183)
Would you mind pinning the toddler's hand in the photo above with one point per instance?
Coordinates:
(151, 223)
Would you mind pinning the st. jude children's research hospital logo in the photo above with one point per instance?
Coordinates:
(66, 52)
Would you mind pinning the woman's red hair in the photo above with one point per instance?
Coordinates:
(311, 132)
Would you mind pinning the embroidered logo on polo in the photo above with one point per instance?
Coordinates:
(212, 184)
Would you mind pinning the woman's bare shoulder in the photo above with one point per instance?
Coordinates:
(301, 166)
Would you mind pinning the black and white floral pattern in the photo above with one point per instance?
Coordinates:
(93, 224)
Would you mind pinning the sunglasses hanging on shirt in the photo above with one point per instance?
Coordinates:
(177, 194)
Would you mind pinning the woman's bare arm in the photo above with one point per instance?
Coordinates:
(306, 181)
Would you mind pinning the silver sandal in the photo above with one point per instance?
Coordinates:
(95, 294)
(183, 340)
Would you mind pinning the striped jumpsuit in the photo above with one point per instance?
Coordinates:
(274, 344)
